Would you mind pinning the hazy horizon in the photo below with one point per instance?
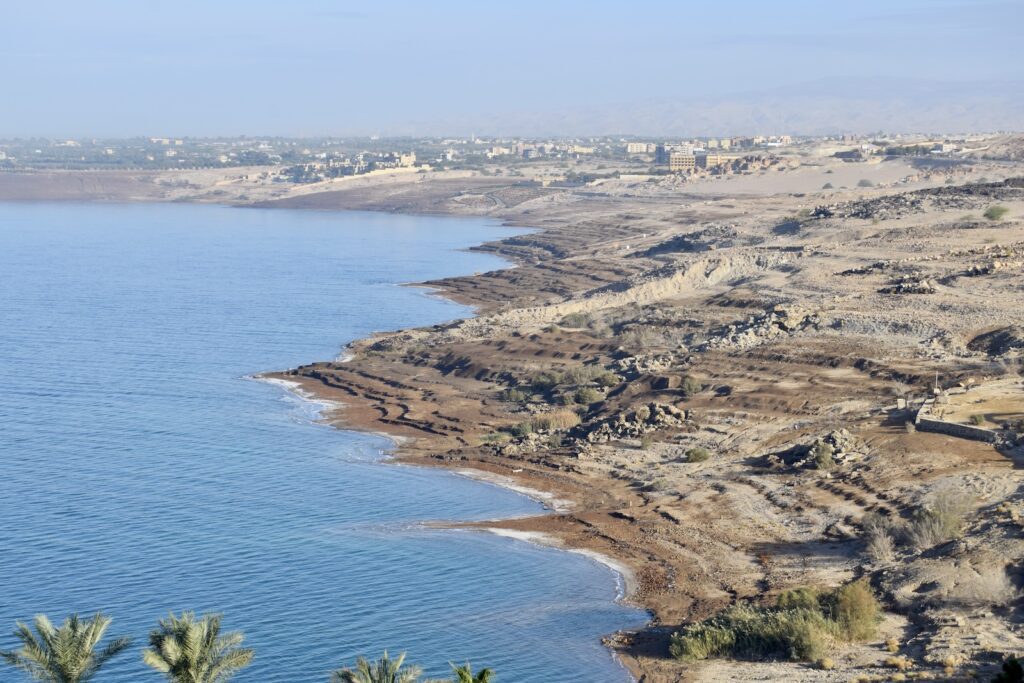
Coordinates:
(315, 68)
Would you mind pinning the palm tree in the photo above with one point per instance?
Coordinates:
(464, 674)
(66, 654)
(190, 650)
(384, 670)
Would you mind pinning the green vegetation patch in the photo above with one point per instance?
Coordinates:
(803, 625)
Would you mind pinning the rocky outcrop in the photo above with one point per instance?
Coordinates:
(842, 445)
(780, 321)
(631, 424)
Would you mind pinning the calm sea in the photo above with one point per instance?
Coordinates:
(142, 473)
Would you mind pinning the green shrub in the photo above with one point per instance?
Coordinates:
(545, 381)
(587, 395)
(822, 452)
(995, 213)
(855, 610)
(977, 419)
(521, 429)
(698, 454)
(514, 395)
(691, 386)
(754, 632)
(802, 625)
(575, 320)
(804, 597)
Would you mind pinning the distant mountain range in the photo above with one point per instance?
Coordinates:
(821, 108)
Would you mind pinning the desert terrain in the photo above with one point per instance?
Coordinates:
(735, 386)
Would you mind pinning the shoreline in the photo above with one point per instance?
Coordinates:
(787, 325)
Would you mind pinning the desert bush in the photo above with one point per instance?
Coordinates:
(575, 320)
(804, 597)
(892, 645)
(494, 438)
(520, 430)
(880, 546)
(581, 374)
(545, 381)
(802, 625)
(940, 519)
(559, 419)
(822, 454)
(587, 395)
(646, 441)
(691, 386)
(606, 379)
(855, 609)
(977, 419)
(864, 182)
(826, 664)
(995, 212)
(513, 396)
(1012, 672)
(698, 454)
(753, 632)
(988, 585)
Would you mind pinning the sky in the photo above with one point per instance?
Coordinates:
(342, 67)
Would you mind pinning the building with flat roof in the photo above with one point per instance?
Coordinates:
(681, 162)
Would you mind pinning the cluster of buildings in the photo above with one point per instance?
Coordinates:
(702, 155)
(342, 166)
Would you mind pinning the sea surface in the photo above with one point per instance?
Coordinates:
(142, 472)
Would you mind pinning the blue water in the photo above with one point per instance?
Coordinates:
(142, 473)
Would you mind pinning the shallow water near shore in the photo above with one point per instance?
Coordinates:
(142, 471)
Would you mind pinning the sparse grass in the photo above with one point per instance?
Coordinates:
(494, 438)
(802, 625)
(900, 663)
(995, 213)
(881, 548)
(698, 454)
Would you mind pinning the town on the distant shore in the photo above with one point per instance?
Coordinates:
(311, 160)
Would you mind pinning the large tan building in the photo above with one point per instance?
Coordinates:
(680, 162)
(713, 160)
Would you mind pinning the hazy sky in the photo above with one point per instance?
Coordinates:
(294, 67)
